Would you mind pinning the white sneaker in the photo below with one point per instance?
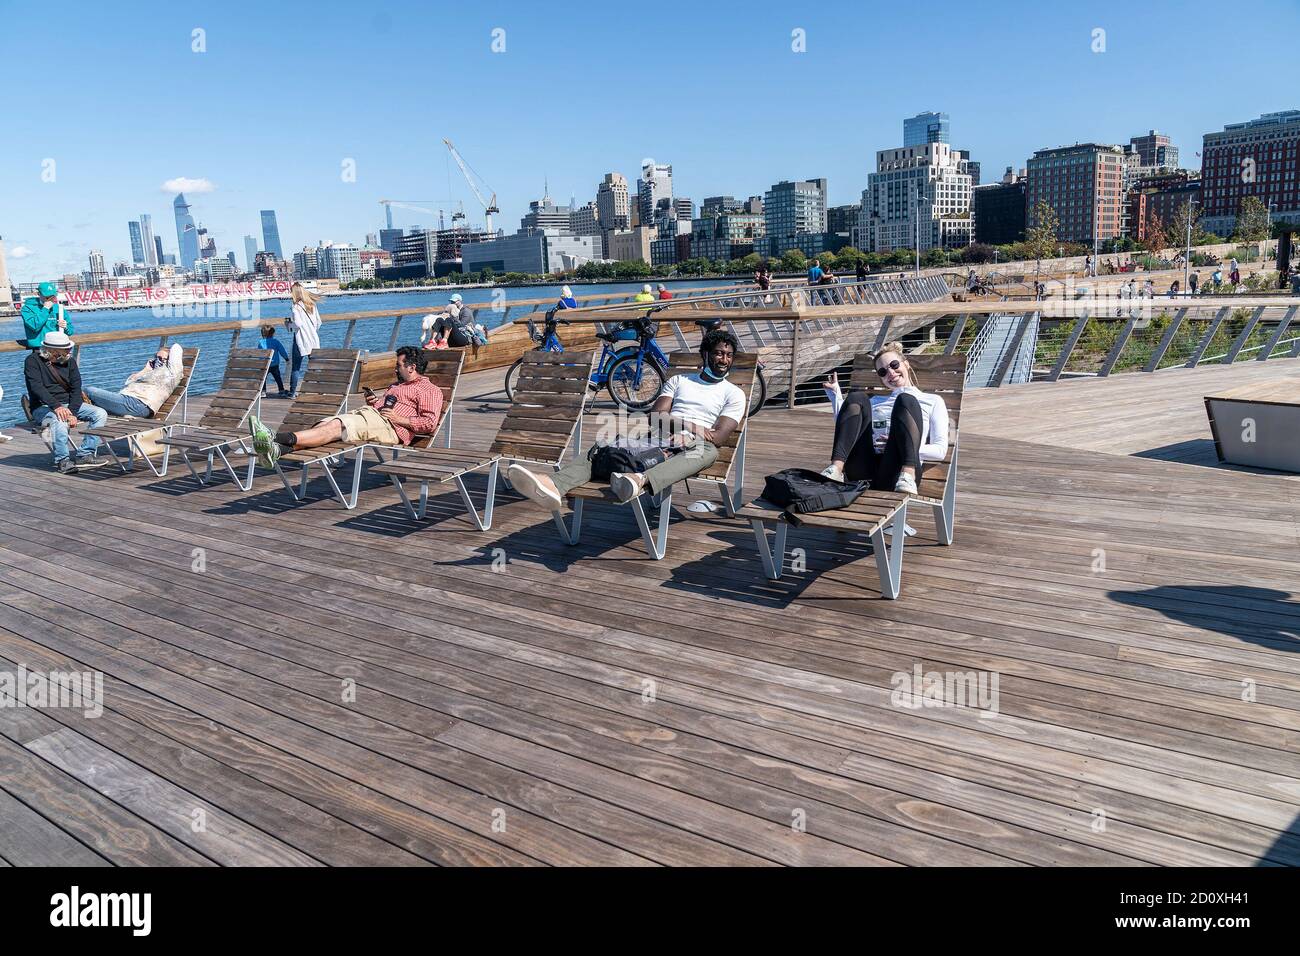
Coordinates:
(626, 485)
(525, 482)
(905, 484)
(833, 473)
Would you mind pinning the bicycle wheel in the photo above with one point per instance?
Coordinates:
(757, 394)
(512, 379)
(631, 391)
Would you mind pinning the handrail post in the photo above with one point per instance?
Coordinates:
(1064, 357)
(794, 353)
(1245, 334)
(1276, 337)
(347, 336)
(1175, 324)
(1209, 335)
(397, 327)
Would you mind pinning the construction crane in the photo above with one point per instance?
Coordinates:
(489, 205)
(388, 204)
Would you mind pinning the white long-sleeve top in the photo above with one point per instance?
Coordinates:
(306, 329)
(934, 423)
(153, 385)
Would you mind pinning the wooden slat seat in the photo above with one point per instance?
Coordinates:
(875, 512)
(730, 455)
(221, 423)
(538, 428)
(378, 372)
(134, 430)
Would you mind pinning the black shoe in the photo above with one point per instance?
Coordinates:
(65, 466)
(87, 462)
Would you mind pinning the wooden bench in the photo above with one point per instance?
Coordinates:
(133, 431)
(729, 464)
(877, 512)
(240, 393)
(376, 372)
(545, 416)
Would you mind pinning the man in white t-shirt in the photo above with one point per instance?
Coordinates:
(701, 410)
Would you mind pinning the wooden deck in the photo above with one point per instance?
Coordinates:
(344, 688)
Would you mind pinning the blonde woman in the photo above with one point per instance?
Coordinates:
(305, 326)
(884, 439)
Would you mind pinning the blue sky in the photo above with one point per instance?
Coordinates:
(286, 92)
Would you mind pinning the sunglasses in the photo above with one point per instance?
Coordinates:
(895, 365)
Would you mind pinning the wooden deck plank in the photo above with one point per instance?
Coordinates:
(1119, 690)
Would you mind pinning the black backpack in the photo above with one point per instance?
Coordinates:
(607, 459)
(800, 491)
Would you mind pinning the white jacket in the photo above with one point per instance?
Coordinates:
(153, 385)
(305, 328)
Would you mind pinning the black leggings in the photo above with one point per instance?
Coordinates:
(853, 444)
(274, 372)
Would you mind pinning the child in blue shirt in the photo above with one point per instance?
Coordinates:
(269, 341)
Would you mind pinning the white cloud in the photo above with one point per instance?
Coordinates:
(20, 252)
(183, 184)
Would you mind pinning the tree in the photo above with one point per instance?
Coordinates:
(794, 261)
(1157, 235)
(1040, 238)
(1252, 220)
(934, 256)
(977, 252)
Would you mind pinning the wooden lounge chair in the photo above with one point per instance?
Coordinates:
(730, 464)
(133, 430)
(443, 370)
(221, 424)
(876, 512)
(545, 417)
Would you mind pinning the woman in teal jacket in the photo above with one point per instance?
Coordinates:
(42, 313)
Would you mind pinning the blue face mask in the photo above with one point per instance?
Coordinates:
(709, 375)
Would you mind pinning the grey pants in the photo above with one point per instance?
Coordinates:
(677, 468)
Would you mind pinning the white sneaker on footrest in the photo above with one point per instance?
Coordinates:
(525, 482)
(905, 484)
(833, 473)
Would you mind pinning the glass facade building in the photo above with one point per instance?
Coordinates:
(187, 236)
(925, 128)
(271, 233)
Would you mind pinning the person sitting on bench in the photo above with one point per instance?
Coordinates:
(883, 439)
(145, 390)
(701, 409)
(410, 406)
(55, 404)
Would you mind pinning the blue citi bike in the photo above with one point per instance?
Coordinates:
(632, 367)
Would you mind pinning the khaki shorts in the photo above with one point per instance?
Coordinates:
(365, 424)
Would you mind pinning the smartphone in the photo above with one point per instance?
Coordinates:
(369, 392)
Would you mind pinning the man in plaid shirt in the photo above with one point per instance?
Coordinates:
(410, 406)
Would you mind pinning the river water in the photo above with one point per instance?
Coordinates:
(107, 364)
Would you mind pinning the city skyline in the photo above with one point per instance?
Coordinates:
(1062, 92)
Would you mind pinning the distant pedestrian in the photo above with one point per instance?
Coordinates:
(1233, 265)
(1193, 281)
(862, 271)
(763, 278)
(815, 272)
(664, 294)
(1149, 289)
(566, 300)
(305, 326)
(1234, 276)
(269, 342)
(1217, 279)
(1089, 267)
(1173, 288)
(645, 295)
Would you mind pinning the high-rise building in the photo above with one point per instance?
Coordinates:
(159, 258)
(968, 166)
(792, 209)
(342, 262)
(684, 209)
(585, 220)
(271, 233)
(187, 235)
(98, 272)
(719, 206)
(389, 238)
(725, 236)
(628, 245)
(213, 268)
(925, 128)
(544, 214)
(1157, 201)
(999, 211)
(305, 263)
(137, 243)
(147, 237)
(1155, 149)
(655, 184)
(842, 219)
(612, 203)
(250, 252)
(1084, 186)
(1255, 158)
(917, 197)
(372, 240)
(207, 244)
